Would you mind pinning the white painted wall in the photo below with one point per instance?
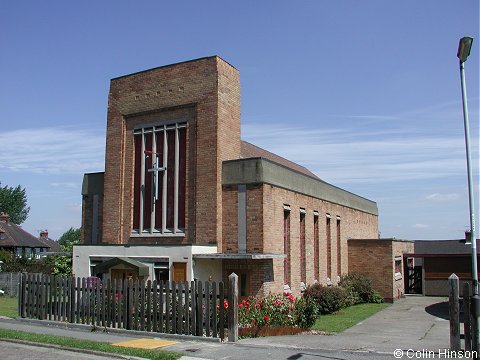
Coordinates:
(82, 254)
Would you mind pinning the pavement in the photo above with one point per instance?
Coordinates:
(415, 323)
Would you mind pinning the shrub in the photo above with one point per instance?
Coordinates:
(376, 298)
(358, 284)
(327, 299)
(305, 313)
(273, 310)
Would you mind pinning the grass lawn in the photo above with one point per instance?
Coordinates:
(8, 306)
(87, 344)
(345, 318)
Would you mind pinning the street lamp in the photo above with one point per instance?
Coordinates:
(464, 48)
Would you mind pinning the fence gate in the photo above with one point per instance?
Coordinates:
(414, 280)
(189, 308)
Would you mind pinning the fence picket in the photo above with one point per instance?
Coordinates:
(207, 308)
(167, 307)
(180, 298)
(155, 305)
(193, 304)
(149, 305)
(161, 303)
(199, 295)
(221, 300)
(174, 308)
(186, 311)
(142, 305)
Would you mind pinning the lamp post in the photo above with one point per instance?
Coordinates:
(464, 48)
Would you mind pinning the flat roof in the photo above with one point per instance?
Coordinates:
(223, 256)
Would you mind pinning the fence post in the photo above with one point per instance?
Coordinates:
(233, 307)
(454, 313)
(467, 318)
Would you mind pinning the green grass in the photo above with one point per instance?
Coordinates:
(345, 318)
(8, 306)
(66, 342)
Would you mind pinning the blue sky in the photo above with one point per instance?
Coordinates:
(366, 94)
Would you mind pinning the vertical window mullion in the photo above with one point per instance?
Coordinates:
(142, 182)
(164, 184)
(154, 180)
(175, 181)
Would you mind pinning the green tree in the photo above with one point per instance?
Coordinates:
(14, 202)
(69, 238)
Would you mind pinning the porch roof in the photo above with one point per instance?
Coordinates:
(106, 265)
(237, 256)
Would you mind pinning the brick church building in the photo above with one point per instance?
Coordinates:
(183, 197)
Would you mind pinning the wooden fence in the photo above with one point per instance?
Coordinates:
(193, 308)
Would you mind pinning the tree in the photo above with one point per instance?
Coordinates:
(13, 201)
(60, 264)
(69, 238)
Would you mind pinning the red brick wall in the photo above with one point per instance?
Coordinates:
(376, 259)
(206, 92)
(265, 207)
(354, 224)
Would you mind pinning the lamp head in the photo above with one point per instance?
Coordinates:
(464, 47)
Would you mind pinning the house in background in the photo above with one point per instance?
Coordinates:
(183, 197)
(16, 240)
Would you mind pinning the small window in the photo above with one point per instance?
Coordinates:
(398, 268)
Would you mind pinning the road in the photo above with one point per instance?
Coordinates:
(15, 351)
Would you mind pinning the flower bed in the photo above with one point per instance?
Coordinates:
(276, 314)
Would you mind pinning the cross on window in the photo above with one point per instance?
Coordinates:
(160, 179)
(155, 170)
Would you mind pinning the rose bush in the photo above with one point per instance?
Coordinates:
(275, 310)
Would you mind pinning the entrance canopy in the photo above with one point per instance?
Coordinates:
(105, 266)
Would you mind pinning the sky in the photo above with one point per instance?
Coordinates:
(366, 94)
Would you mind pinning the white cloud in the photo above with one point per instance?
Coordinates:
(352, 155)
(70, 185)
(442, 197)
(52, 150)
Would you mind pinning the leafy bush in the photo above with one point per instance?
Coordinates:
(305, 313)
(327, 299)
(360, 285)
(273, 310)
(376, 298)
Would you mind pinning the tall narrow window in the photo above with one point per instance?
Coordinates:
(316, 252)
(329, 247)
(339, 249)
(159, 179)
(303, 248)
(286, 244)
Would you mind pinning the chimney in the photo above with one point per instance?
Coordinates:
(44, 234)
(4, 217)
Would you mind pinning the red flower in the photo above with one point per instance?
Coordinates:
(266, 318)
(225, 304)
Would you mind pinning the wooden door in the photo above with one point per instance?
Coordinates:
(179, 272)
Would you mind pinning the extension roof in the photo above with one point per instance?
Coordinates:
(444, 247)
